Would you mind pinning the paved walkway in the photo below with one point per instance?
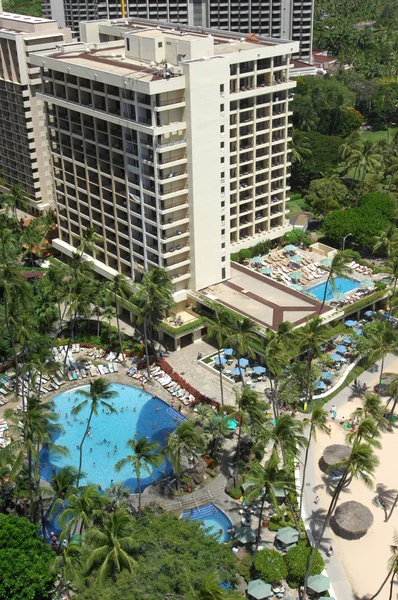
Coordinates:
(312, 516)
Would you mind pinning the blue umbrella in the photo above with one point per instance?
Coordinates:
(326, 262)
(327, 375)
(367, 283)
(296, 259)
(368, 313)
(259, 370)
(235, 371)
(266, 271)
(341, 349)
(350, 323)
(296, 275)
(320, 385)
(347, 340)
(228, 351)
(290, 248)
(257, 259)
(243, 362)
(358, 331)
(336, 357)
(297, 287)
(220, 361)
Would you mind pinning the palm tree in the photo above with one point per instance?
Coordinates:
(366, 160)
(82, 507)
(392, 566)
(68, 566)
(373, 407)
(88, 241)
(338, 268)
(33, 241)
(210, 589)
(251, 410)
(63, 483)
(314, 336)
(277, 358)
(386, 240)
(359, 465)
(96, 398)
(219, 331)
(17, 196)
(261, 483)
(153, 299)
(287, 435)
(393, 391)
(112, 544)
(100, 297)
(300, 147)
(317, 422)
(108, 314)
(119, 287)
(380, 338)
(185, 438)
(144, 455)
(242, 340)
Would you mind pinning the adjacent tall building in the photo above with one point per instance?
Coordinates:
(282, 19)
(24, 157)
(172, 143)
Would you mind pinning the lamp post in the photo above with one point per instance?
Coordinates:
(344, 239)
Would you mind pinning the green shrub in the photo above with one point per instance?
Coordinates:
(234, 257)
(244, 567)
(297, 236)
(270, 566)
(380, 286)
(258, 451)
(245, 254)
(297, 562)
(234, 492)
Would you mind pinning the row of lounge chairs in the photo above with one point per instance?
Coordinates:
(360, 268)
(83, 371)
(171, 386)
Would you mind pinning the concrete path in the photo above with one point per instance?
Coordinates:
(312, 515)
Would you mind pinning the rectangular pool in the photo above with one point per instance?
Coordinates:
(342, 285)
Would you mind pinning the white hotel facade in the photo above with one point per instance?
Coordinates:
(172, 142)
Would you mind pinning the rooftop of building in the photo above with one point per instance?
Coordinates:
(112, 57)
(13, 23)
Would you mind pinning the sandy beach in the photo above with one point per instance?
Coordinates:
(364, 560)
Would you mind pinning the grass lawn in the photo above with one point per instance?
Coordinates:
(375, 136)
(295, 205)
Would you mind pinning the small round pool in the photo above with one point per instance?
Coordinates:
(138, 414)
(212, 519)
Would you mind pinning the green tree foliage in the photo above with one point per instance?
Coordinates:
(24, 559)
(324, 159)
(174, 558)
(23, 7)
(326, 195)
(297, 562)
(270, 566)
(373, 215)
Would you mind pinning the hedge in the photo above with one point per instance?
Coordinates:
(270, 566)
(297, 562)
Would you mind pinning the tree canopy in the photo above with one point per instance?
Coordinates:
(24, 559)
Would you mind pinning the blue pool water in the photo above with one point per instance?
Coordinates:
(342, 285)
(114, 428)
(213, 518)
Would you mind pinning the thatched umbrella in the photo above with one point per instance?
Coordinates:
(352, 519)
(334, 454)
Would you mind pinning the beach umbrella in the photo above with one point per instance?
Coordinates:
(297, 287)
(259, 590)
(266, 271)
(347, 340)
(335, 453)
(341, 349)
(232, 424)
(228, 351)
(320, 385)
(243, 362)
(318, 583)
(358, 331)
(259, 370)
(296, 275)
(257, 259)
(235, 371)
(336, 357)
(366, 283)
(245, 535)
(368, 313)
(350, 323)
(220, 360)
(287, 536)
(327, 375)
(339, 296)
(326, 262)
(296, 259)
(290, 248)
(352, 519)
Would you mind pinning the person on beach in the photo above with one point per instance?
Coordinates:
(316, 500)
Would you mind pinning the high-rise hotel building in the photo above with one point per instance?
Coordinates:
(23, 141)
(173, 143)
(282, 19)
